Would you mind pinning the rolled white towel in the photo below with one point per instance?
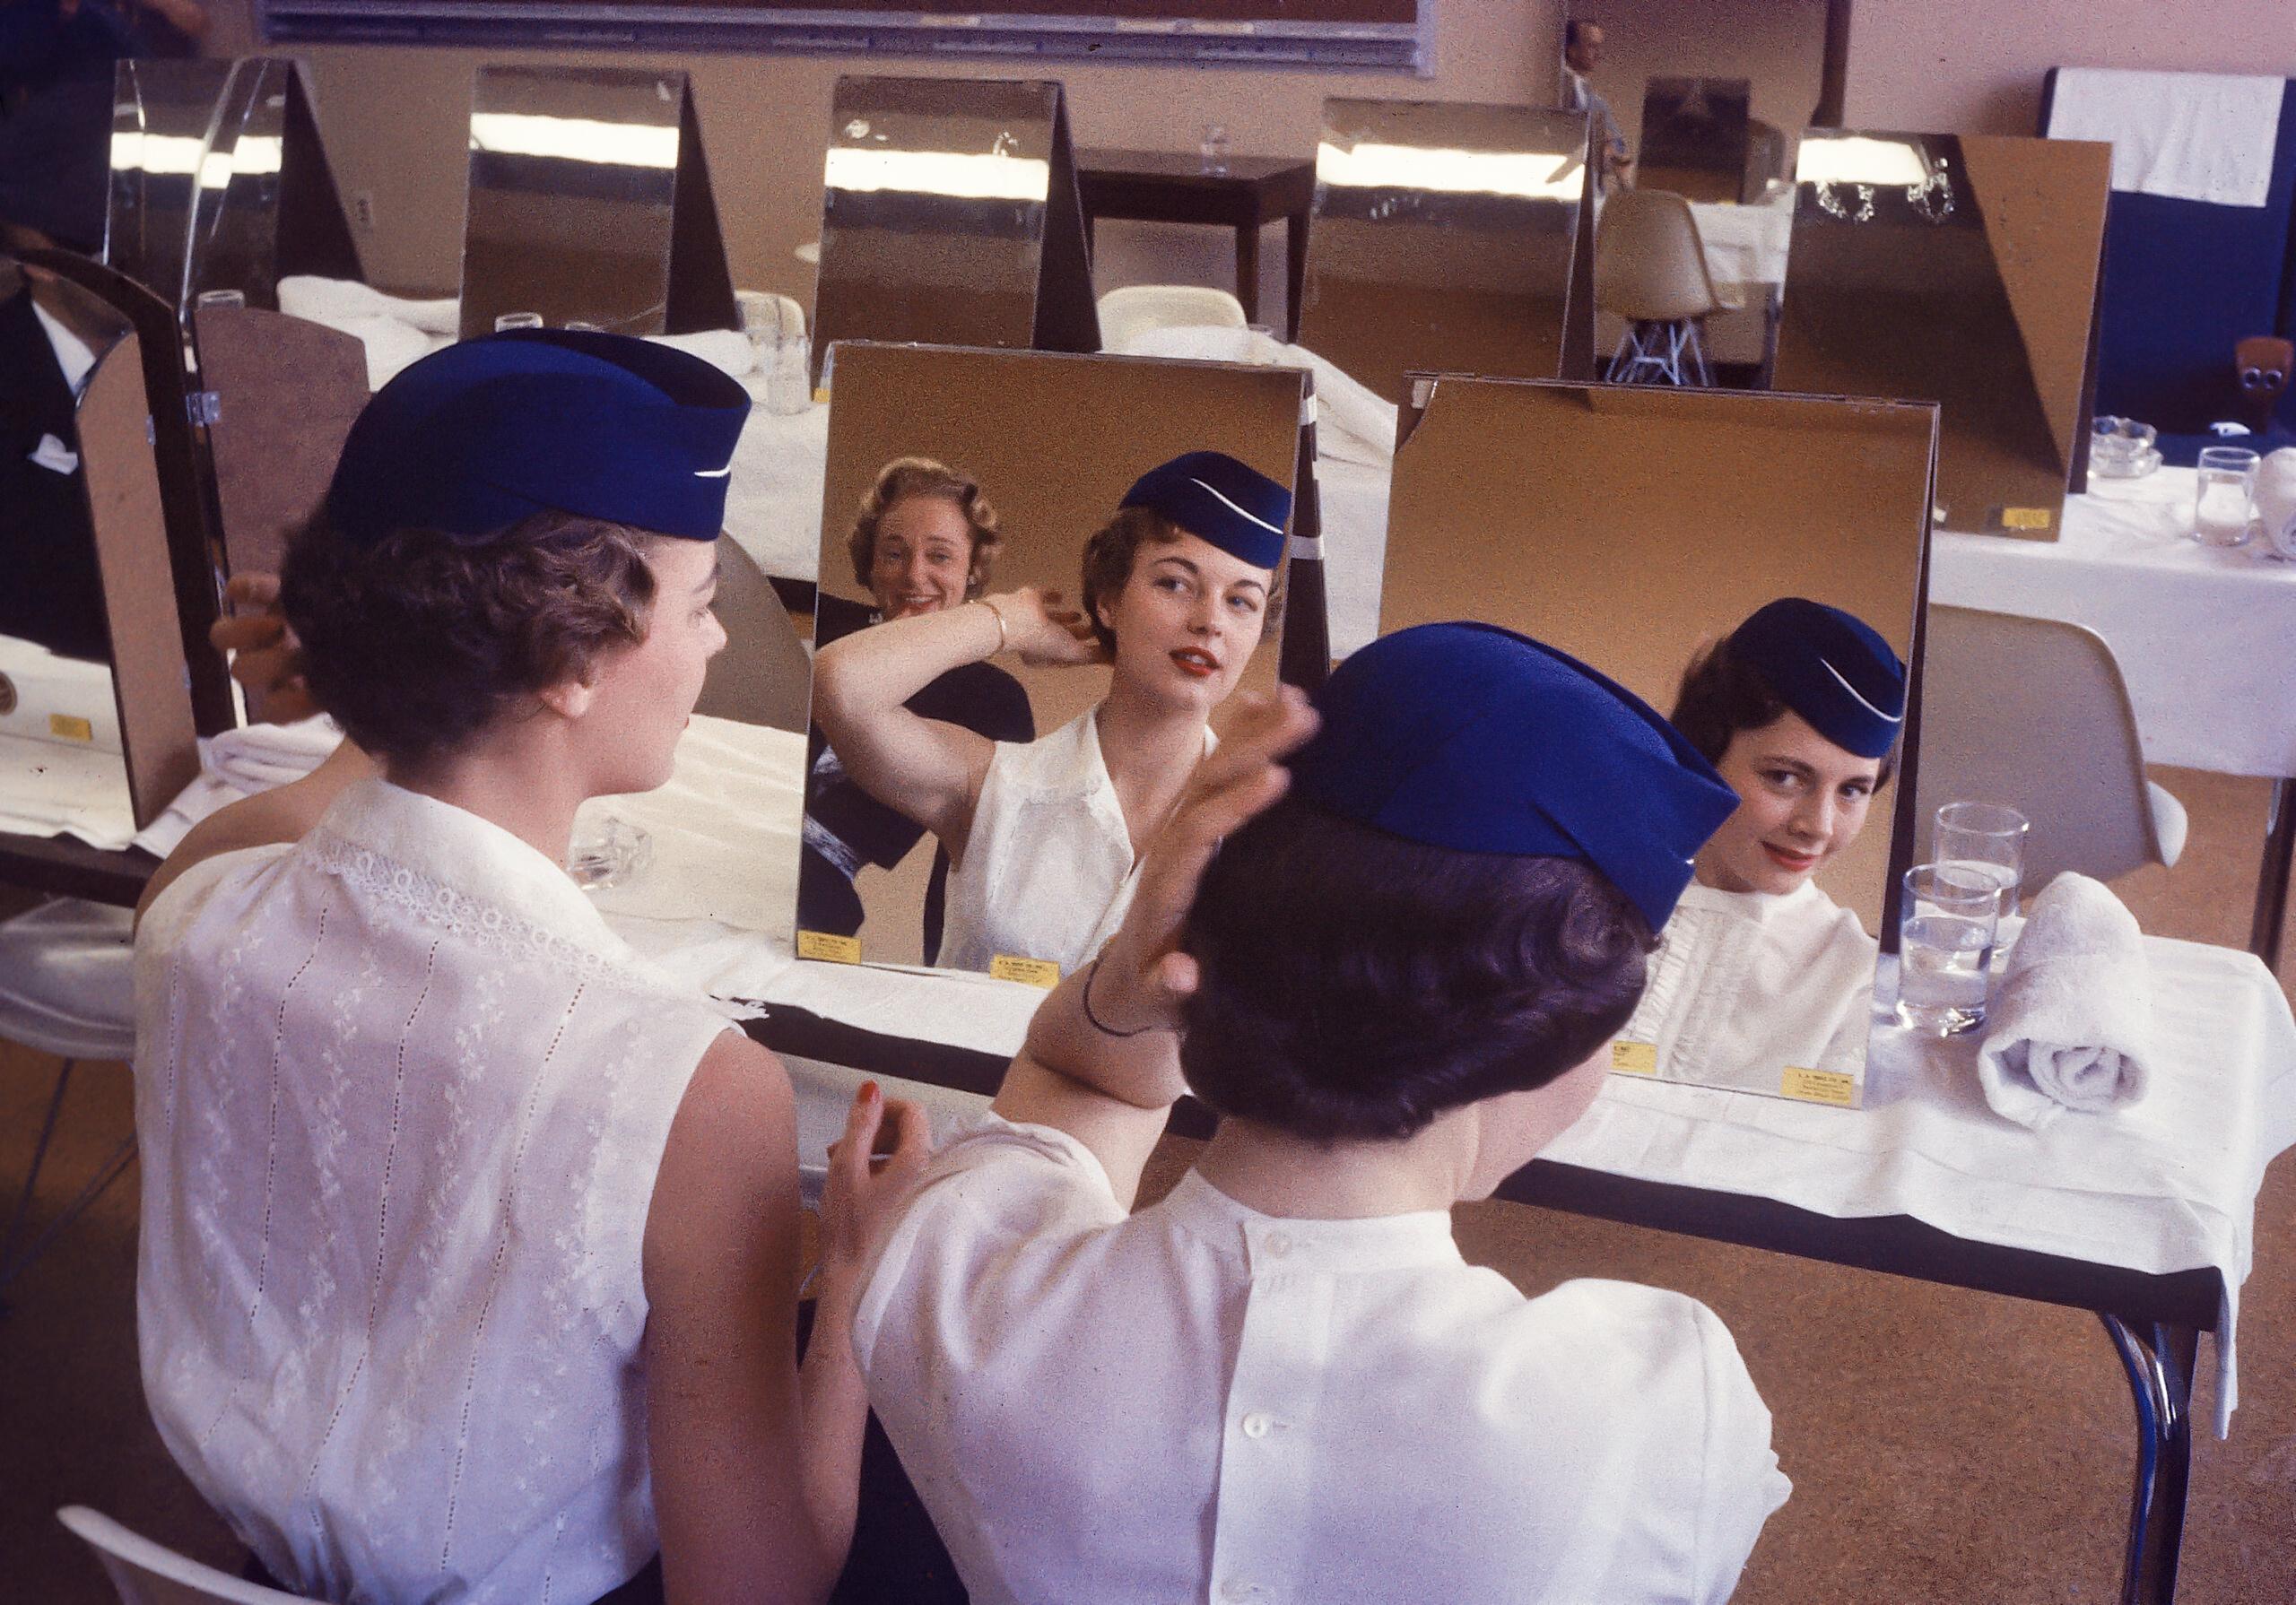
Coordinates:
(258, 756)
(2071, 1026)
(331, 302)
(728, 350)
(2276, 500)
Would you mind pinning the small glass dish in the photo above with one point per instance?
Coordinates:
(2122, 449)
(607, 852)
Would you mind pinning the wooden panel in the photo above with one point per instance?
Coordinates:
(287, 391)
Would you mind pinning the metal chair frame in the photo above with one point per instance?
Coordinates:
(1653, 351)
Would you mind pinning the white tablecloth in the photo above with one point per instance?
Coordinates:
(1745, 245)
(2206, 637)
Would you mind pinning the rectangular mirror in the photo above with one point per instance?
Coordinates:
(96, 727)
(1588, 534)
(1450, 235)
(591, 203)
(1047, 444)
(949, 214)
(1963, 270)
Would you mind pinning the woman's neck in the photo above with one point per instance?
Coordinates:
(1278, 1174)
(1150, 749)
(534, 800)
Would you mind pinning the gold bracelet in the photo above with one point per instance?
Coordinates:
(1004, 640)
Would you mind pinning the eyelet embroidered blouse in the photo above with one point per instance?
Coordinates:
(401, 1097)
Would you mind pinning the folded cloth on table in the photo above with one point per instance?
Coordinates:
(59, 788)
(239, 763)
(2190, 137)
(331, 302)
(2276, 500)
(2071, 1025)
(728, 350)
(1353, 423)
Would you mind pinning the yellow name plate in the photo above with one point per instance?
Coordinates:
(2026, 519)
(70, 727)
(1634, 1058)
(1819, 1087)
(833, 949)
(1029, 972)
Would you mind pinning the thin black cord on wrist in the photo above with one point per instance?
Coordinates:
(1091, 971)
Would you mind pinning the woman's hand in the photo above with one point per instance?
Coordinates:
(1040, 626)
(266, 656)
(1142, 978)
(886, 1143)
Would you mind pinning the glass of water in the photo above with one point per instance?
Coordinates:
(1212, 148)
(1984, 838)
(1945, 931)
(2225, 500)
(518, 320)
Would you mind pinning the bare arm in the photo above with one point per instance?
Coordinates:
(1102, 1058)
(927, 771)
(281, 814)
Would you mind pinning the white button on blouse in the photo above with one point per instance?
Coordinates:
(1139, 1410)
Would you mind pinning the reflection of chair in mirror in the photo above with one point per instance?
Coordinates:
(146, 1573)
(2033, 712)
(1127, 313)
(762, 676)
(1650, 269)
(590, 201)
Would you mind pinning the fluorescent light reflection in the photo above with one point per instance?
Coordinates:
(254, 154)
(966, 175)
(574, 139)
(1859, 161)
(156, 153)
(1531, 175)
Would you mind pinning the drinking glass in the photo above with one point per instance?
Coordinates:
(607, 852)
(518, 320)
(786, 363)
(1213, 147)
(1945, 931)
(1985, 839)
(2225, 500)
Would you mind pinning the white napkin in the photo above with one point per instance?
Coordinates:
(728, 350)
(331, 302)
(2276, 500)
(2071, 1025)
(2192, 136)
(239, 763)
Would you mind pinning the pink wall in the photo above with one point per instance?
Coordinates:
(1975, 65)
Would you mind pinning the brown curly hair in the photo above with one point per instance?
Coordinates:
(1115, 547)
(419, 641)
(905, 477)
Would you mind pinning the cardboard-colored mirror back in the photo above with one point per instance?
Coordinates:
(1053, 441)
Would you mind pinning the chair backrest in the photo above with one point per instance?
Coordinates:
(148, 1573)
(1127, 313)
(1648, 262)
(763, 677)
(2033, 712)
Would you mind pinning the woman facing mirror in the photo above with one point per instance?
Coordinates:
(924, 539)
(1758, 969)
(1178, 591)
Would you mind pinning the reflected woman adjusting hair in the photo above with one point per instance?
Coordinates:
(1799, 710)
(507, 1218)
(1178, 594)
(924, 539)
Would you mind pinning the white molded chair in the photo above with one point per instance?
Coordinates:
(764, 309)
(148, 1573)
(1129, 313)
(1650, 269)
(2033, 712)
(67, 987)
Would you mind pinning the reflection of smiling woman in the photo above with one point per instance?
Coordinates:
(1044, 835)
(1759, 969)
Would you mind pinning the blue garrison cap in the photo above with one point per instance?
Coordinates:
(1213, 497)
(484, 433)
(1475, 738)
(1831, 668)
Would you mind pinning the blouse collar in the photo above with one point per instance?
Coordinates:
(1330, 1247)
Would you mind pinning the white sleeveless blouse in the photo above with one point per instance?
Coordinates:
(401, 1097)
(1047, 866)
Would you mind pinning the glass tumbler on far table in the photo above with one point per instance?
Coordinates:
(1985, 839)
(1946, 931)
(2225, 500)
(1213, 147)
(606, 851)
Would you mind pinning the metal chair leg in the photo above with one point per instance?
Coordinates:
(24, 1209)
(2159, 1365)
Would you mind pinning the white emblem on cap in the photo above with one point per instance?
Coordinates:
(713, 474)
(1232, 508)
(1869, 707)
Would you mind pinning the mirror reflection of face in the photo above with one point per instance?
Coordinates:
(644, 694)
(923, 556)
(1801, 800)
(1188, 620)
(1583, 49)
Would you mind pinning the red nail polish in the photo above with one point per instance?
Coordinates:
(869, 1092)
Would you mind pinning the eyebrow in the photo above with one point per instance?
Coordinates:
(1779, 760)
(1189, 564)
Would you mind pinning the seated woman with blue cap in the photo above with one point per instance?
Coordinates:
(1394, 984)
(1044, 836)
(924, 539)
(470, 1239)
(1799, 708)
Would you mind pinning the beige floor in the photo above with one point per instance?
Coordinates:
(1945, 1446)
